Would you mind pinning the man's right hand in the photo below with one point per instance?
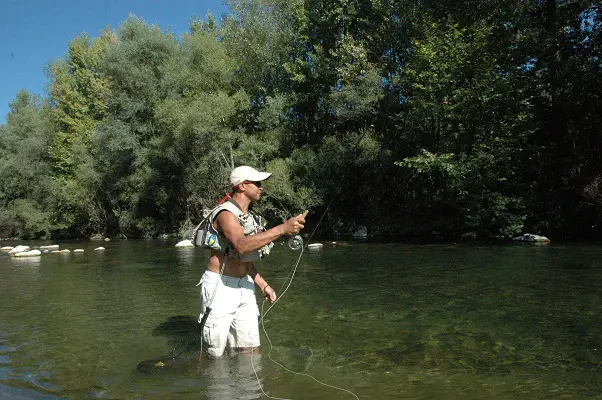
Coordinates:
(294, 225)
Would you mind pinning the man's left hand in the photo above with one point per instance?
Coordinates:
(269, 294)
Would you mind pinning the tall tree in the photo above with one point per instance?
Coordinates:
(25, 167)
(79, 93)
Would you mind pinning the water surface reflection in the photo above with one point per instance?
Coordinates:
(385, 321)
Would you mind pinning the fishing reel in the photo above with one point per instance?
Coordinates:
(295, 242)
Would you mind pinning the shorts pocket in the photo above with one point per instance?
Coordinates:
(209, 331)
(215, 342)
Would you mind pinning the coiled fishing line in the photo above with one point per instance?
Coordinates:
(261, 321)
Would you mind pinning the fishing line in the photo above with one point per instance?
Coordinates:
(290, 281)
(263, 315)
(289, 370)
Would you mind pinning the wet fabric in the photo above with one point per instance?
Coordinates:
(233, 320)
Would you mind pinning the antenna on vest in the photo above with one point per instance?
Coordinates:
(226, 197)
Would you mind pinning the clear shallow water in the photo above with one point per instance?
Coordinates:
(385, 321)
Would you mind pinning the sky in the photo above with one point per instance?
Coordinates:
(36, 32)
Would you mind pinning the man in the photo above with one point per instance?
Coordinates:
(236, 239)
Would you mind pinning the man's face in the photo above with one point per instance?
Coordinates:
(253, 190)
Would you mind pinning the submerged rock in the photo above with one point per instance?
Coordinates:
(161, 365)
(185, 243)
(49, 247)
(99, 248)
(530, 237)
(182, 331)
(315, 246)
(78, 250)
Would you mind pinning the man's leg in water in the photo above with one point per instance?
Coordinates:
(244, 331)
(249, 350)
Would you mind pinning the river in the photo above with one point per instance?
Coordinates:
(376, 321)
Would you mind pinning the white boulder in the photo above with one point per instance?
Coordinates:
(530, 237)
(50, 247)
(19, 249)
(6, 248)
(185, 243)
(99, 249)
(65, 251)
(315, 246)
(32, 253)
(78, 250)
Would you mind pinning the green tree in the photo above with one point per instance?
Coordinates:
(461, 108)
(25, 167)
(79, 94)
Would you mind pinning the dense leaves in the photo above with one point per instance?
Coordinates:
(450, 118)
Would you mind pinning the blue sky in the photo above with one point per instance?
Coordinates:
(35, 32)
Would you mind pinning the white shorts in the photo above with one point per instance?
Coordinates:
(234, 316)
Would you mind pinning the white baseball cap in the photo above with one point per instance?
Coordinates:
(246, 173)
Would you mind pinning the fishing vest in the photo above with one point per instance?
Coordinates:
(205, 235)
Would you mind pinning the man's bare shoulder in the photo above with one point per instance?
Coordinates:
(227, 223)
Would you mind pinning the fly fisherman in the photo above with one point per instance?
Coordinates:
(229, 312)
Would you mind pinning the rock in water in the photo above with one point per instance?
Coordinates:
(19, 249)
(361, 232)
(32, 253)
(153, 366)
(50, 247)
(530, 237)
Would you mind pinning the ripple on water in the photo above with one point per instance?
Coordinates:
(387, 322)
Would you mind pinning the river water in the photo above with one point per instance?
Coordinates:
(381, 321)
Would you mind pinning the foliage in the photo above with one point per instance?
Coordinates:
(26, 170)
(79, 94)
(473, 186)
(411, 118)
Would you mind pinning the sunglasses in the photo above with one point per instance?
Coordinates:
(258, 183)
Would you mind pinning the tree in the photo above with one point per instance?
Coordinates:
(79, 94)
(25, 168)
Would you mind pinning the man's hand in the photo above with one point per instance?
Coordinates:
(269, 294)
(294, 225)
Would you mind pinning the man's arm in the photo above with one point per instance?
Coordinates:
(228, 224)
(266, 289)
